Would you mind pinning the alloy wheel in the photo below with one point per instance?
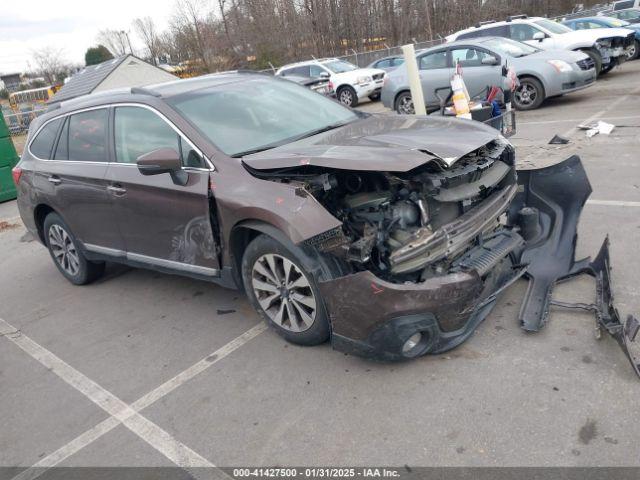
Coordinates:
(526, 95)
(64, 250)
(405, 105)
(631, 52)
(346, 97)
(284, 292)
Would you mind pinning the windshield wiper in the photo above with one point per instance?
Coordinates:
(317, 131)
(289, 140)
(269, 146)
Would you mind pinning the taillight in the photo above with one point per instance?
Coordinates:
(17, 173)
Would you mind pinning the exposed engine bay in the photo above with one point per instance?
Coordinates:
(410, 226)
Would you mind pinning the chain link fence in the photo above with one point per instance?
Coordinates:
(363, 59)
(18, 122)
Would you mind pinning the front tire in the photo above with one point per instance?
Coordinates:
(634, 51)
(347, 96)
(529, 95)
(284, 293)
(66, 255)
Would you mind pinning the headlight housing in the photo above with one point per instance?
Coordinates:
(364, 79)
(560, 65)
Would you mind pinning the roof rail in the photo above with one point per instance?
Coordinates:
(516, 17)
(486, 22)
(144, 91)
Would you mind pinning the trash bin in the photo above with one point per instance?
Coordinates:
(8, 160)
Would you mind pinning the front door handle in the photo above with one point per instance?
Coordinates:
(116, 190)
(54, 179)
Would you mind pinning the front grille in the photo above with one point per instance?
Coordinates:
(586, 64)
(378, 76)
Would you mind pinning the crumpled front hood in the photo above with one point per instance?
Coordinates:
(391, 143)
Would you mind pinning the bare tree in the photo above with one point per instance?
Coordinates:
(117, 41)
(190, 20)
(146, 30)
(50, 63)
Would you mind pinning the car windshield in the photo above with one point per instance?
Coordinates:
(510, 47)
(258, 114)
(553, 27)
(614, 22)
(340, 66)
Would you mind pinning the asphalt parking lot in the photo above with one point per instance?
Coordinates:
(146, 369)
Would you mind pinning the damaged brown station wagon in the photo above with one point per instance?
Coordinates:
(390, 235)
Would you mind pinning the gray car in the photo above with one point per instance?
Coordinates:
(387, 63)
(542, 73)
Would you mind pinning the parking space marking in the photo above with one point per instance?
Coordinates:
(613, 203)
(578, 120)
(121, 413)
(602, 112)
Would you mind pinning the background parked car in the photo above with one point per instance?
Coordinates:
(320, 85)
(387, 63)
(542, 73)
(350, 82)
(589, 23)
(631, 15)
(606, 48)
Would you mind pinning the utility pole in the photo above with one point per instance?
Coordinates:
(126, 34)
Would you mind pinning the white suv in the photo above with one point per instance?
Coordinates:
(350, 83)
(606, 46)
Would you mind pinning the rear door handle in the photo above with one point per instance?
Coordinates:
(54, 179)
(116, 190)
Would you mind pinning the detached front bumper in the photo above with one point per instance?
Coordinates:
(375, 318)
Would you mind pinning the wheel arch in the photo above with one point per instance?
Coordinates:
(39, 214)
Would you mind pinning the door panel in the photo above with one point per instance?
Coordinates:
(476, 75)
(434, 73)
(162, 220)
(74, 182)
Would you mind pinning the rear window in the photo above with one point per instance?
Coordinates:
(88, 136)
(43, 143)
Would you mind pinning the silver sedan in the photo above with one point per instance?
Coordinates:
(542, 73)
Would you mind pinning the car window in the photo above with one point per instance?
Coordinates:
(467, 56)
(398, 61)
(553, 27)
(623, 4)
(434, 60)
(383, 63)
(523, 32)
(43, 143)
(62, 149)
(509, 47)
(315, 71)
(139, 131)
(340, 66)
(88, 136)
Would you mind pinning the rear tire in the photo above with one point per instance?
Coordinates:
(529, 95)
(375, 97)
(284, 293)
(66, 254)
(404, 104)
(347, 96)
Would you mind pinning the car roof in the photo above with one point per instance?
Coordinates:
(491, 24)
(314, 61)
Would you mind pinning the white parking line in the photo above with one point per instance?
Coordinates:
(120, 412)
(613, 203)
(602, 112)
(577, 120)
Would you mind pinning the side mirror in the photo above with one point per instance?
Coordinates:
(490, 60)
(163, 160)
(539, 36)
(324, 75)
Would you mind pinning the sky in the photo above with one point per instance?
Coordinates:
(71, 25)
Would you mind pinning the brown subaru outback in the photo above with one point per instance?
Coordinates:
(391, 235)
